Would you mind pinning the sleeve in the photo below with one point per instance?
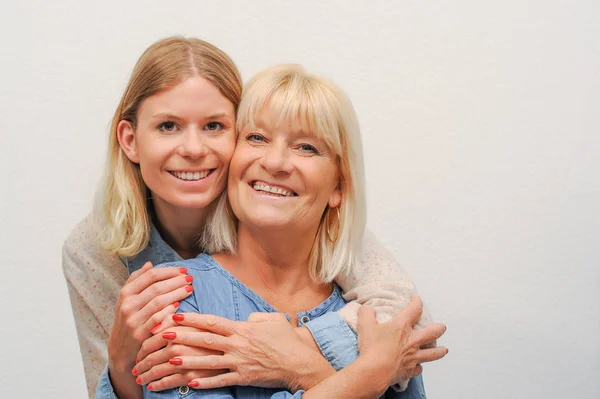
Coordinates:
(381, 283)
(105, 389)
(94, 279)
(287, 395)
(335, 339)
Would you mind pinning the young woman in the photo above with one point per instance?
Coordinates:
(297, 207)
(170, 143)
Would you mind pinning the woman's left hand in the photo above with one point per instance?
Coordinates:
(265, 351)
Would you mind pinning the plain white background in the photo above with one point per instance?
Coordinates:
(481, 136)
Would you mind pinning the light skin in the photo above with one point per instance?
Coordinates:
(183, 141)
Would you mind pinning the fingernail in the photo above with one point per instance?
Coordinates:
(156, 328)
(136, 361)
(182, 270)
(178, 317)
(134, 371)
(189, 288)
(176, 361)
(193, 384)
(189, 279)
(169, 335)
(138, 380)
(176, 304)
(149, 387)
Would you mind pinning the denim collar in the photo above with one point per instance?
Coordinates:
(157, 251)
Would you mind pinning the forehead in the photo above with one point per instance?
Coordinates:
(194, 95)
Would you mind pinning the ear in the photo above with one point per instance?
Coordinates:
(336, 197)
(126, 137)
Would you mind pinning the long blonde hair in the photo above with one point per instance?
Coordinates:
(323, 109)
(121, 210)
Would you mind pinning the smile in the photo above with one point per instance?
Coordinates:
(191, 176)
(273, 190)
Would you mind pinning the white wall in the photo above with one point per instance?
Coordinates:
(481, 132)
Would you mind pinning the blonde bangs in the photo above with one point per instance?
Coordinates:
(296, 97)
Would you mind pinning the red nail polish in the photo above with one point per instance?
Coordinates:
(134, 371)
(138, 380)
(193, 384)
(178, 317)
(136, 361)
(156, 328)
(182, 270)
(150, 387)
(169, 335)
(176, 361)
(176, 304)
(189, 288)
(189, 279)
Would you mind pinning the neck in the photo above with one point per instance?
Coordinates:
(180, 228)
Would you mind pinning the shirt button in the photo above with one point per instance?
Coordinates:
(184, 390)
(305, 319)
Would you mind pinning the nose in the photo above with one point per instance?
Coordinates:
(276, 159)
(193, 144)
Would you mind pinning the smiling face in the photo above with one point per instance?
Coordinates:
(183, 143)
(281, 177)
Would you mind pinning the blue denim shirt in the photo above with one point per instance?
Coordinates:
(337, 342)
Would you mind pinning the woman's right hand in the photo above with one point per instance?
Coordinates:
(149, 295)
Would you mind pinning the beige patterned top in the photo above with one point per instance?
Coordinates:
(95, 277)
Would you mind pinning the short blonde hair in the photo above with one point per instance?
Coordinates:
(121, 209)
(323, 109)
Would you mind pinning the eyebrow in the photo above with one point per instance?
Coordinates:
(173, 116)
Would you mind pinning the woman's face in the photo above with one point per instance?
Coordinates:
(183, 142)
(281, 177)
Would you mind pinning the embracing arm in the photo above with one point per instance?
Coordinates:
(94, 279)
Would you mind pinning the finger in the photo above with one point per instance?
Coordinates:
(208, 362)
(427, 334)
(415, 371)
(219, 381)
(160, 302)
(156, 373)
(161, 320)
(431, 354)
(147, 266)
(200, 339)
(262, 317)
(366, 319)
(167, 322)
(208, 322)
(150, 276)
(411, 313)
(179, 379)
(163, 286)
(149, 346)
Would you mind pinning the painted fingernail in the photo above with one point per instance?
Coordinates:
(149, 387)
(193, 384)
(182, 270)
(138, 380)
(189, 288)
(156, 328)
(134, 371)
(136, 361)
(176, 361)
(169, 335)
(178, 317)
(176, 304)
(189, 279)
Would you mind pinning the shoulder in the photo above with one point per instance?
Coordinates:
(82, 253)
(202, 264)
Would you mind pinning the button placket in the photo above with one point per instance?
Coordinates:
(184, 390)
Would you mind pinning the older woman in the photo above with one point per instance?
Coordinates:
(293, 223)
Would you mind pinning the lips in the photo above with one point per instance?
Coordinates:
(273, 189)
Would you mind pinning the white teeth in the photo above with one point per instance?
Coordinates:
(191, 175)
(272, 190)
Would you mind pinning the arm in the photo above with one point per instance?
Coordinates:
(94, 279)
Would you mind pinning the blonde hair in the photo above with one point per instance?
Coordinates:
(121, 210)
(323, 109)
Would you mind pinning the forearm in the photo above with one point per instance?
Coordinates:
(123, 383)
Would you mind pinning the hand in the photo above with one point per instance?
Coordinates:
(265, 351)
(155, 369)
(148, 296)
(394, 347)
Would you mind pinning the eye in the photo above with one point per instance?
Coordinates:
(167, 127)
(255, 138)
(309, 149)
(214, 126)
